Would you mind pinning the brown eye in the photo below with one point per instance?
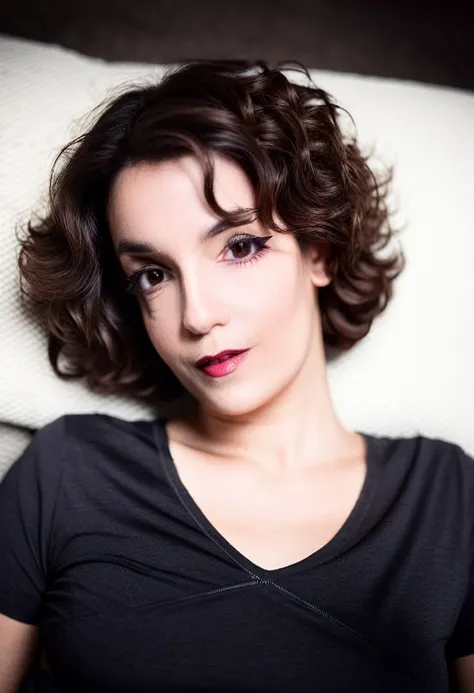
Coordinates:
(152, 276)
(240, 249)
(145, 280)
(246, 248)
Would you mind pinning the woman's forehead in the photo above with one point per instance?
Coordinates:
(175, 189)
(164, 202)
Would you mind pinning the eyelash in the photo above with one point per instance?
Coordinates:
(132, 281)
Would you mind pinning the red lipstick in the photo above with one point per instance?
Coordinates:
(223, 363)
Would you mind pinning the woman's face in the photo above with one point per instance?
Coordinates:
(231, 290)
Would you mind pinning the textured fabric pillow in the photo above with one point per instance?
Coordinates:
(13, 441)
(413, 373)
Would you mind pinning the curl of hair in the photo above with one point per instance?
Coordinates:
(287, 138)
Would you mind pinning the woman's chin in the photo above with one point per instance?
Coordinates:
(233, 404)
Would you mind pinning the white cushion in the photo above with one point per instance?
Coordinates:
(13, 441)
(413, 373)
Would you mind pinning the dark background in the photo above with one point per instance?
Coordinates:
(423, 41)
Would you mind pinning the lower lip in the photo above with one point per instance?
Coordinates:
(229, 365)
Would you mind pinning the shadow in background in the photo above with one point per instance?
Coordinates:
(423, 41)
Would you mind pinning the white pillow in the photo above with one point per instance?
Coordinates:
(13, 441)
(413, 373)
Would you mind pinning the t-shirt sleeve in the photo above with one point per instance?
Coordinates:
(461, 641)
(28, 495)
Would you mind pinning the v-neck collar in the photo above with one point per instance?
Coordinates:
(331, 549)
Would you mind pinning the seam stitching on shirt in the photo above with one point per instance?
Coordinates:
(197, 521)
(165, 602)
(214, 541)
(216, 591)
(320, 611)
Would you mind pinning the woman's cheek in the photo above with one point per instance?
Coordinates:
(161, 331)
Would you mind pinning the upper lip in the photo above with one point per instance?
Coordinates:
(205, 359)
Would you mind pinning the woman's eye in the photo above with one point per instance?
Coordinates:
(246, 247)
(152, 277)
(240, 249)
(145, 280)
(243, 249)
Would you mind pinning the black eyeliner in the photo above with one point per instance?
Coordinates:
(258, 240)
(132, 279)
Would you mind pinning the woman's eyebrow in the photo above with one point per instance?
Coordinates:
(136, 247)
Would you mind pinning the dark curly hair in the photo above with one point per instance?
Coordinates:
(287, 138)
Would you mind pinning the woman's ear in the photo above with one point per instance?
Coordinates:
(316, 257)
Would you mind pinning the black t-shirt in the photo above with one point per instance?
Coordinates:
(134, 590)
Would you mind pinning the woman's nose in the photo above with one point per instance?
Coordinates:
(203, 307)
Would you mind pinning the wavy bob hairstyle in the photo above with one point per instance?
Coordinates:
(288, 140)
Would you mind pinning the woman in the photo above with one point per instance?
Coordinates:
(215, 236)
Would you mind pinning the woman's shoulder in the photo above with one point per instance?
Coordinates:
(80, 444)
(425, 469)
(85, 429)
(446, 464)
(421, 450)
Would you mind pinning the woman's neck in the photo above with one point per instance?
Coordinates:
(297, 429)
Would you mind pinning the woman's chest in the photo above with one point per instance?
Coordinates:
(273, 520)
(250, 635)
(155, 601)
